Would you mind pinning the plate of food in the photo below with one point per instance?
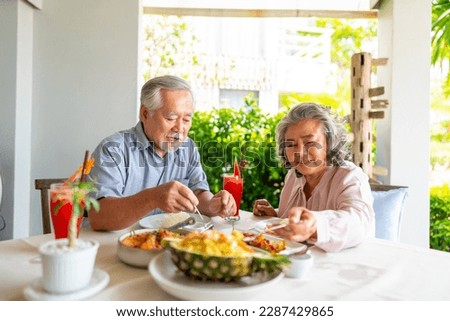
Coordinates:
(166, 220)
(174, 282)
(215, 266)
(273, 244)
(138, 247)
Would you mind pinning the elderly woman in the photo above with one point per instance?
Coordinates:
(327, 199)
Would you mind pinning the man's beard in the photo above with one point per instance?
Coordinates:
(173, 144)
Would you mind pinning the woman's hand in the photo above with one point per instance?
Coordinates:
(263, 208)
(302, 225)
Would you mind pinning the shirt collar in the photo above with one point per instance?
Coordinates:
(141, 136)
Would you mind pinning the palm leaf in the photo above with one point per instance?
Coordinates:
(440, 38)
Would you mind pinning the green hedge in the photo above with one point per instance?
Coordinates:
(440, 218)
(224, 134)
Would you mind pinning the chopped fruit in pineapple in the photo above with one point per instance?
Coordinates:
(215, 256)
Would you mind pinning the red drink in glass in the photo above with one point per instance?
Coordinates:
(235, 186)
(61, 210)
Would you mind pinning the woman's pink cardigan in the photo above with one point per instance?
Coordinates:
(342, 204)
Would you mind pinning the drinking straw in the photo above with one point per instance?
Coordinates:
(83, 176)
(236, 171)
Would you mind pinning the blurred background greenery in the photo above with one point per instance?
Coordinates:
(245, 134)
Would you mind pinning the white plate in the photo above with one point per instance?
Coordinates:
(174, 282)
(36, 292)
(261, 225)
(291, 247)
(156, 221)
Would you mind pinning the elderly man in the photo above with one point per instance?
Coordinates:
(154, 167)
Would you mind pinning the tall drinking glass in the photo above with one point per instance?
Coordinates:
(60, 205)
(235, 186)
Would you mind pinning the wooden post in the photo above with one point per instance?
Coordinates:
(364, 110)
(359, 121)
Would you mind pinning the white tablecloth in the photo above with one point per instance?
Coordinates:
(375, 270)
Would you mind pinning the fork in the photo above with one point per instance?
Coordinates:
(199, 214)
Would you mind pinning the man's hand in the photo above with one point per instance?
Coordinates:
(222, 204)
(174, 197)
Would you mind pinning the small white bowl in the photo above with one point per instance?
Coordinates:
(300, 266)
(135, 256)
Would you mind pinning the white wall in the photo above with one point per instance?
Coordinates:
(403, 136)
(16, 22)
(24, 83)
(85, 83)
(8, 76)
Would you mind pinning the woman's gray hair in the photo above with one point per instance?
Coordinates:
(335, 133)
(151, 91)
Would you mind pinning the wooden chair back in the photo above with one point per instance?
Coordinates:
(43, 184)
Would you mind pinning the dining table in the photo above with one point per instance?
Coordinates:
(374, 270)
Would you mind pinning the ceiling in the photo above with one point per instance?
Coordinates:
(265, 8)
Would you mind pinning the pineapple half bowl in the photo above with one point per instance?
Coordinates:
(215, 256)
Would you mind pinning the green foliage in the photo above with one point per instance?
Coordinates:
(81, 199)
(440, 144)
(291, 99)
(441, 132)
(439, 101)
(349, 36)
(440, 129)
(169, 45)
(247, 133)
(440, 218)
(439, 202)
(440, 38)
(440, 153)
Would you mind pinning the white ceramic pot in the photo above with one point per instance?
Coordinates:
(67, 269)
(300, 266)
